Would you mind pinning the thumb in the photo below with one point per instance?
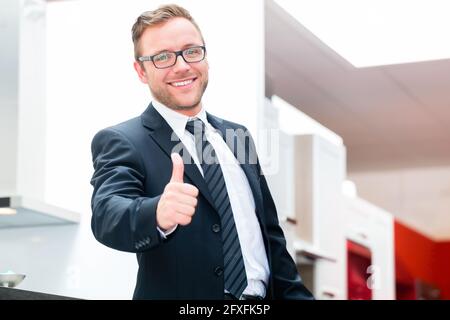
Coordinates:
(178, 168)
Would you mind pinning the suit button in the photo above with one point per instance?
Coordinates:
(218, 271)
(216, 228)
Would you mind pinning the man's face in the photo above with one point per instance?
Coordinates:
(174, 35)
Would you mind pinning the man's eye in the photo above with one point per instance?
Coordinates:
(193, 51)
(162, 57)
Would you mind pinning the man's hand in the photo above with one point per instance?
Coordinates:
(178, 201)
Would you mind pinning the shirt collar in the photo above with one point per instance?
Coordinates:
(176, 120)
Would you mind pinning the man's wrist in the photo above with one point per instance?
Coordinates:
(166, 233)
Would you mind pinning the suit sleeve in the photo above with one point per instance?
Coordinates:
(122, 217)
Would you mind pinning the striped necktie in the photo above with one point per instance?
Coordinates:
(235, 278)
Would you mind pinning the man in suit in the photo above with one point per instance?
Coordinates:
(204, 225)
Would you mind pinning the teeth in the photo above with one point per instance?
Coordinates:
(182, 83)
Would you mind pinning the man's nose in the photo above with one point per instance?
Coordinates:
(180, 65)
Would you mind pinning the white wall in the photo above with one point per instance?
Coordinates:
(91, 84)
(22, 99)
(418, 197)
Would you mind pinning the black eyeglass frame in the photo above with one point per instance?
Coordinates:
(177, 53)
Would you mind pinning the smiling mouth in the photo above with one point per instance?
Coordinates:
(181, 84)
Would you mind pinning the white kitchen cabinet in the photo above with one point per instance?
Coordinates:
(373, 228)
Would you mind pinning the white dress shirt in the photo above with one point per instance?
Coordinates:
(240, 194)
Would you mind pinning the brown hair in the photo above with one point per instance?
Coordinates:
(152, 18)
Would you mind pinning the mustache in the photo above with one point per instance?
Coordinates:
(183, 76)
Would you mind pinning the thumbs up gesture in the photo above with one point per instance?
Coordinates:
(178, 201)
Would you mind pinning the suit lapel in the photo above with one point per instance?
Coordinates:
(163, 135)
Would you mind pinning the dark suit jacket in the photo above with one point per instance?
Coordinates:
(132, 166)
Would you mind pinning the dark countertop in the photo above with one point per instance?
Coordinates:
(17, 294)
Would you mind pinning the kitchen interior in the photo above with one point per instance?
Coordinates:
(360, 174)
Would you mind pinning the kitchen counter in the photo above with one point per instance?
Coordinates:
(17, 294)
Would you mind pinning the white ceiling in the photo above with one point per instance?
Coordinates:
(391, 118)
(387, 32)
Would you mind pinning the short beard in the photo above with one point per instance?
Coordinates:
(166, 99)
(185, 107)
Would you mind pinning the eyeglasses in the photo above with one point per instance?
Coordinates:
(169, 58)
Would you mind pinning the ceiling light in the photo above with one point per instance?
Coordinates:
(7, 211)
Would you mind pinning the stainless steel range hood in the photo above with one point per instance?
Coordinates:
(23, 118)
(23, 212)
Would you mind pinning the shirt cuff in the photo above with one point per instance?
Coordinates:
(165, 234)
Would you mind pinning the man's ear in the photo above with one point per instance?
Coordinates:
(140, 71)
